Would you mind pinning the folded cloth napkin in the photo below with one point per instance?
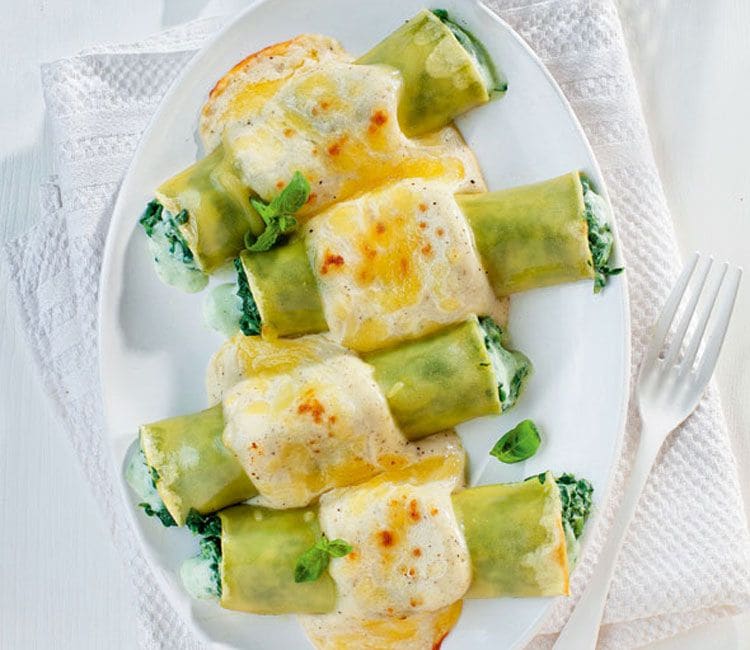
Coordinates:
(686, 559)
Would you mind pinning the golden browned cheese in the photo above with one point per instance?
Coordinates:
(409, 552)
(396, 263)
(245, 356)
(400, 587)
(336, 123)
(420, 631)
(322, 426)
(240, 94)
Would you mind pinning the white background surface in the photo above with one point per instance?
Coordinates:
(61, 585)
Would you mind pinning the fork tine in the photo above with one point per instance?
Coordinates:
(697, 336)
(718, 329)
(669, 310)
(674, 347)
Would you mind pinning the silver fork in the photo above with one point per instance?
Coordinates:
(673, 375)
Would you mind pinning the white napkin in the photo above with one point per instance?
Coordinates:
(686, 559)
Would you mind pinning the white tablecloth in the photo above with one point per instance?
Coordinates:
(54, 593)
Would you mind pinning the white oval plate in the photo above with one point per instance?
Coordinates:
(154, 346)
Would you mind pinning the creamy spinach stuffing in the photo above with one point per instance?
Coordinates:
(142, 479)
(576, 499)
(511, 368)
(601, 239)
(174, 261)
(201, 574)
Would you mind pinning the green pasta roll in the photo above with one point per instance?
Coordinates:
(508, 540)
(542, 234)
(441, 380)
(516, 538)
(414, 390)
(282, 288)
(200, 217)
(191, 468)
(259, 549)
(211, 207)
(446, 71)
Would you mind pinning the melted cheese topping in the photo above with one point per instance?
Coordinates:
(396, 263)
(245, 356)
(299, 434)
(409, 553)
(243, 91)
(420, 631)
(337, 124)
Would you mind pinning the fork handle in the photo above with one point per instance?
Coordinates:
(582, 629)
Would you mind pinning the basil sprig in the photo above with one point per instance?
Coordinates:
(314, 561)
(278, 214)
(520, 443)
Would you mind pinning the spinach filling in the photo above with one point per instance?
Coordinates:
(155, 217)
(175, 262)
(250, 321)
(601, 240)
(511, 368)
(576, 499)
(201, 575)
(575, 495)
(494, 83)
(142, 479)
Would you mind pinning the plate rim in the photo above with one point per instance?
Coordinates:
(106, 313)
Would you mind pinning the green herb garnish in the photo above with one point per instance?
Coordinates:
(520, 443)
(314, 561)
(278, 214)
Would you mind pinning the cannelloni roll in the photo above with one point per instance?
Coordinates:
(303, 106)
(541, 234)
(315, 417)
(445, 69)
(411, 541)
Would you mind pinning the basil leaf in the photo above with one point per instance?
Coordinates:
(267, 238)
(286, 223)
(314, 561)
(338, 548)
(310, 565)
(262, 209)
(292, 197)
(518, 444)
(277, 215)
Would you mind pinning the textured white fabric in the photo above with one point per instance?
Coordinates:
(686, 559)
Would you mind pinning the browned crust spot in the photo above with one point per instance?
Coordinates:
(331, 260)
